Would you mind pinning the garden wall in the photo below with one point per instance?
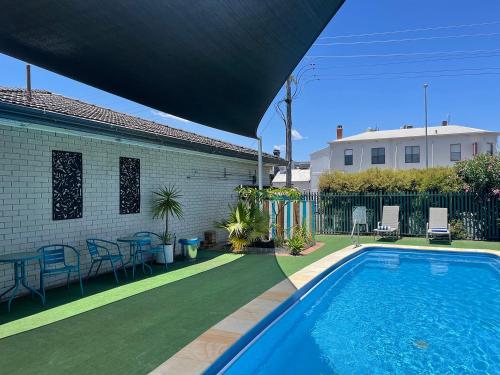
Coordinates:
(207, 183)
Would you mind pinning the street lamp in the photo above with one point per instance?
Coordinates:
(426, 140)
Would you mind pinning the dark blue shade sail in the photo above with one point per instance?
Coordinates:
(216, 62)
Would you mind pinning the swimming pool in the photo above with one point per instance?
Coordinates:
(387, 311)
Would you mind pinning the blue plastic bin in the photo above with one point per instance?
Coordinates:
(189, 247)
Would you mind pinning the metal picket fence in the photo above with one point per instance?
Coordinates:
(479, 217)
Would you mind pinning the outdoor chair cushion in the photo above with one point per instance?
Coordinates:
(439, 230)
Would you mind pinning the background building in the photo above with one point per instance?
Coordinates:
(301, 176)
(403, 148)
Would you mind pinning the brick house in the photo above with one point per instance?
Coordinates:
(37, 133)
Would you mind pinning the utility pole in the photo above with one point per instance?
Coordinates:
(260, 163)
(288, 102)
(426, 136)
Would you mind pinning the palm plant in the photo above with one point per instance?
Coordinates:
(166, 203)
(246, 224)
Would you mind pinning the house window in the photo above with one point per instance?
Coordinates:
(348, 156)
(378, 155)
(412, 154)
(455, 152)
(490, 148)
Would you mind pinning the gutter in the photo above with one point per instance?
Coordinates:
(73, 123)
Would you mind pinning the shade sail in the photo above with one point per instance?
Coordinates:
(216, 62)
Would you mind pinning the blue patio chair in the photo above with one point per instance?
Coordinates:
(100, 251)
(53, 262)
(154, 246)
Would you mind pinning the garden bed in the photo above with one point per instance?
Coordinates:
(280, 251)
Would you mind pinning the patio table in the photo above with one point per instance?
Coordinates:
(19, 261)
(135, 242)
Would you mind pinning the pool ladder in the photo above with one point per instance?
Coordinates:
(355, 241)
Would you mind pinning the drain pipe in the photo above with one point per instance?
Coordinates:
(260, 163)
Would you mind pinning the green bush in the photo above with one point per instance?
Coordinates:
(457, 230)
(296, 244)
(279, 241)
(300, 240)
(390, 180)
(480, 175)
(246, 224)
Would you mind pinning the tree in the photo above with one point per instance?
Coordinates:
(166, 203)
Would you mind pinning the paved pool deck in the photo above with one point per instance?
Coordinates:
(198, 355)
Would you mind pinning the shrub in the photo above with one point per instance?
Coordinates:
(457, 230)
(246, 224)
(480, 175)
(304, 233)
(300, 240)
(388, 180)
(279, 241)
(296, 244)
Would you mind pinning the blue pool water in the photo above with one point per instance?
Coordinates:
(389, 312)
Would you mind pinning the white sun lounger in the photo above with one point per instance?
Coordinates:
(438, 226)
(389, 226)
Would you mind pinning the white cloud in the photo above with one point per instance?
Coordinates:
(279, 147)
(296, 136)
(169, 116)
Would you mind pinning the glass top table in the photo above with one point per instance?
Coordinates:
(135, 244)
(19, 260)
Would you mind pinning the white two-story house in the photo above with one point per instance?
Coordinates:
(403, 148)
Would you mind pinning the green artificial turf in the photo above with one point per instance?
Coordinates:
(136, 334)
(65, 309)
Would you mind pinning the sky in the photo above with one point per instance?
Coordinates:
(367, 69)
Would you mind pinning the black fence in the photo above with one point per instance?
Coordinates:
(478, 217)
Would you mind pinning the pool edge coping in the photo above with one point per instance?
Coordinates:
(212, 346)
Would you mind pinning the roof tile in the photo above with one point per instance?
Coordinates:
(47, 101)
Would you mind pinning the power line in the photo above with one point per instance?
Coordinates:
(418, 76)
(413, 72)
(408, 39)
(319, 67)
(412, 30)
(400, 54)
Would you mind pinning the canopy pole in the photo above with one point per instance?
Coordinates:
(260, 163)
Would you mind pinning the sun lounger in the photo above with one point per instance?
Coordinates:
(389, 226)
(438, 226)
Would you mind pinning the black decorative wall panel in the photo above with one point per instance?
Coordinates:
(130, 185)
(67, 197)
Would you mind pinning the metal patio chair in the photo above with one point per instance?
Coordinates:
(53, 262)
(101, 251)
(154, 247)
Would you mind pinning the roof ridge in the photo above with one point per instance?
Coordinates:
(106, 115)
(23, 89)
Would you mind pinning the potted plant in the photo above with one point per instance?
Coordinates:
(165, 204)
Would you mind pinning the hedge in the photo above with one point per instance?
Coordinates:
(388, 180)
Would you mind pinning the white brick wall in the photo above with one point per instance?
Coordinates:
(26, 192)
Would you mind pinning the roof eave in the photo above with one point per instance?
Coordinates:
(67, 122)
